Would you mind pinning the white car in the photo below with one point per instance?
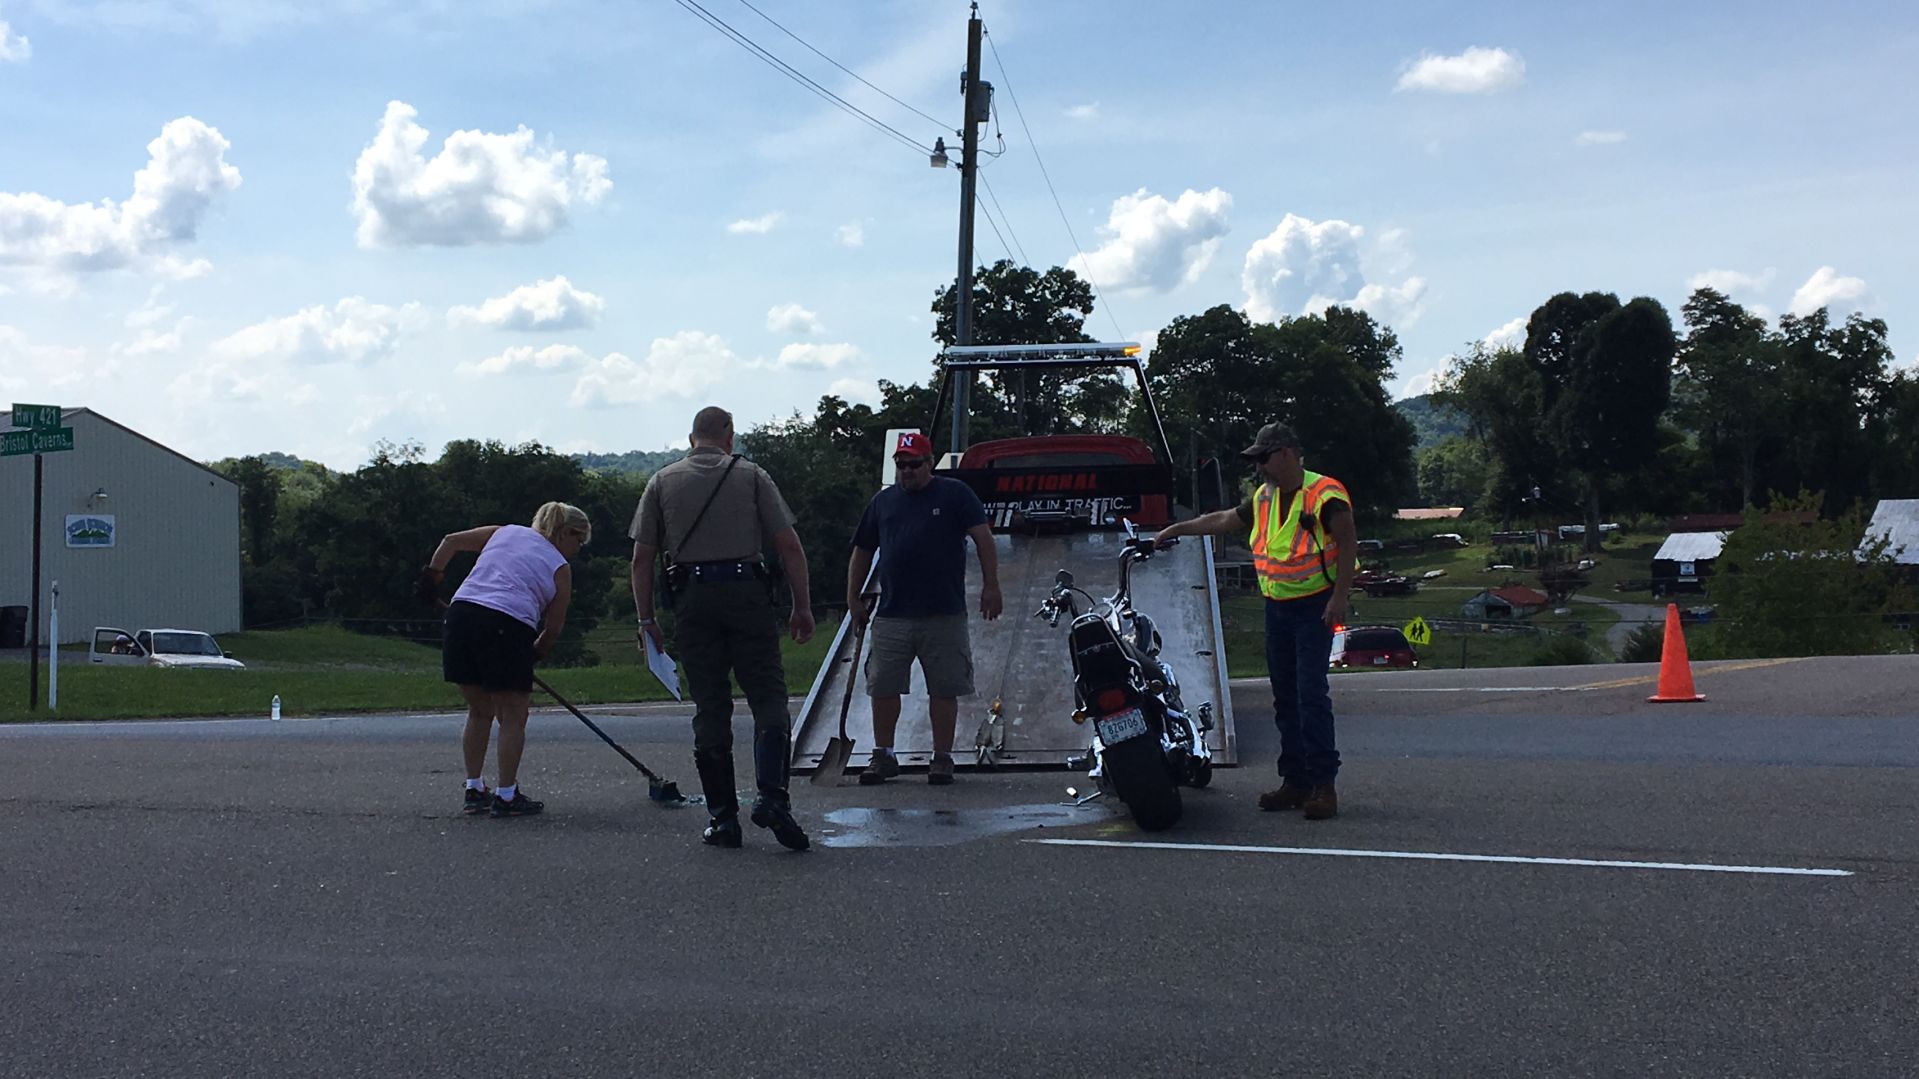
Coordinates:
(170, 648)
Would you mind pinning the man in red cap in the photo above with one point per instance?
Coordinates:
(919, 527)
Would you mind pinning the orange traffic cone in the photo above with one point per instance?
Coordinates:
(1675, 670)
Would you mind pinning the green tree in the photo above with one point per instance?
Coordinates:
(1504, 400)
(259, 482)
(1830, 379)
(1017, 305)
(1453, 472)
(1727, 386)
(1789, 589)
(1219, 377)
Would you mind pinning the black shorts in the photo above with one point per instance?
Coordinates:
(486, 648)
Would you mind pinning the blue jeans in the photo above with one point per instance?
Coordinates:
(1298, 648)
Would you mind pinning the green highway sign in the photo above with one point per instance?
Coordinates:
(46, 440)
(37, 416)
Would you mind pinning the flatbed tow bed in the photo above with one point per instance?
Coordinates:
(1053, 503)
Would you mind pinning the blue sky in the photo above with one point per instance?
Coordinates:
(637, 218)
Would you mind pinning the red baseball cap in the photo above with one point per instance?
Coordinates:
(913, 444)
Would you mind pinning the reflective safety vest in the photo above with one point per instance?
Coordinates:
(1292, 561)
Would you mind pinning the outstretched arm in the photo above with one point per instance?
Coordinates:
(473, 539)
(1218, 523)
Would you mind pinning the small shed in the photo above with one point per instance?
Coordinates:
(1896, 520)
(1513, 601)
(1685, 560)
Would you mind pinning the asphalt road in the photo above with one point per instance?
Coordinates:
(301, 898)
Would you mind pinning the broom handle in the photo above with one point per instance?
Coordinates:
(595, 728)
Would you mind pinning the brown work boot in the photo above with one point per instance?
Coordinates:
(1290, 795)
(1323, 803)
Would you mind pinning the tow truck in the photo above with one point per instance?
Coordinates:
(1053, 502)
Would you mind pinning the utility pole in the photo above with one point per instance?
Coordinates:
(33, 619)
(977, 109)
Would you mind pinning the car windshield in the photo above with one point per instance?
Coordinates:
(1375, 640)
(184, 644)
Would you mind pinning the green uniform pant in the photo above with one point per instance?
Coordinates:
(727, 630)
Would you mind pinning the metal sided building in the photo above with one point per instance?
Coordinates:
(138, 535)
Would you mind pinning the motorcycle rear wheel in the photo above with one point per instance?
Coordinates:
(1139, 776)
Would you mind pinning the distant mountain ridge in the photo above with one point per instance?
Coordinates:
(1432, 422)
(632, 462)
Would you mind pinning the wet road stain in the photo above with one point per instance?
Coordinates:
(864, 827)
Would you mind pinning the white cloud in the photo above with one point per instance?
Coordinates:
(371, 412)
(1155, 244)
(815, 357)
(480, 188)
(790, 318)
(1731, 282)
(1599, 138)
(352, 330)
(150, 341)
(13, 47)
(861, 391)
(525, 359)
(1088, 111)
(1478, 70)
(1421, 383)
(46, 365)
(239, 381)
(677, 366)
(1510, 335)
(851, 235)
(186, 171)
(1825, 288)
(755, 226)
(1304, 267)
(552, 304)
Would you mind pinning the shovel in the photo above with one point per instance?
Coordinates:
(839, 750)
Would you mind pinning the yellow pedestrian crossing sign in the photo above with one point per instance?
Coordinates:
(1418, 632)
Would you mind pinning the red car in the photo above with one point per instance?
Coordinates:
(1372, 646)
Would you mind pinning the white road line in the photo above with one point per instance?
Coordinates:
(1427, 856)
(1475, 689)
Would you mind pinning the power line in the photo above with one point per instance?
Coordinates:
(941, 123)
(797, 76)
(1003, 216)
(1007, 81)
(989, 220)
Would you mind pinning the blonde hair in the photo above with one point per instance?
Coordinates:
(556, 519)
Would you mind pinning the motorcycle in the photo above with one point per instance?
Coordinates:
(1145, 745)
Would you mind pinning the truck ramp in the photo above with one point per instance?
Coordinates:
(1022, 662)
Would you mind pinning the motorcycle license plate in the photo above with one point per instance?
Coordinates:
(1120, 726)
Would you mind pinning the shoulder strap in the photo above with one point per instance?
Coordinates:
(708, 504)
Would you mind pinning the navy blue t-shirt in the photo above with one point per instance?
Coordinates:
(921, 538)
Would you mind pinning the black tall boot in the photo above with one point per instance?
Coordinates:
(772, 759)
(715, 767)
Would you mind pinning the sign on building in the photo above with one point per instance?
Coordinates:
(90, 530)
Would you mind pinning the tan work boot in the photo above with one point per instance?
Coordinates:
(884, 766)
(1323, 803)
(1290, 795)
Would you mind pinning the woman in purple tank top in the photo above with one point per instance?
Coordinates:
(505, 615)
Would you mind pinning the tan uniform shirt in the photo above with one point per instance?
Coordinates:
(746, 513)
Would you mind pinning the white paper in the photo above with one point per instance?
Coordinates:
(662, 666)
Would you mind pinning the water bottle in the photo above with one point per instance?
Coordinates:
(276, 706)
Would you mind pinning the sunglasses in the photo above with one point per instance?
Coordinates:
(910, 462)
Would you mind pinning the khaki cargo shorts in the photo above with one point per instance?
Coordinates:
(939, 642)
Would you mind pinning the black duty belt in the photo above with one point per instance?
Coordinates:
(709, 572)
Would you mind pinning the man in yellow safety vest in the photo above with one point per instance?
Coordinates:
(1303, 549)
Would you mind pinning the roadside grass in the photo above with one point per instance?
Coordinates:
(326, 670)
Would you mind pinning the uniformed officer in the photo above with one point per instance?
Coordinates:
(711, 514)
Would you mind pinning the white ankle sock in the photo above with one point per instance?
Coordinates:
(476, 784)
(887, 750)
(506, 793)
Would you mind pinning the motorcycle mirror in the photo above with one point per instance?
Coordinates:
(1131, 532)
(1063, 578)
